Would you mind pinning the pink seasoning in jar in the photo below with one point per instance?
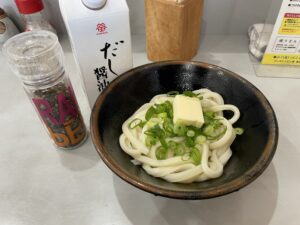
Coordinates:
(37, 59)
(58, 109)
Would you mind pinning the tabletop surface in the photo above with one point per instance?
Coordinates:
(42, 185)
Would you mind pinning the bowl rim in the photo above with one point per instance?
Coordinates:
(232, 186)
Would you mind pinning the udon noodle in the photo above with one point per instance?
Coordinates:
(193, 155)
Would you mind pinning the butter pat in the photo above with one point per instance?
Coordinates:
(187, 111)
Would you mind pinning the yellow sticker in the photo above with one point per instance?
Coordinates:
(281, 59)
(290, 24)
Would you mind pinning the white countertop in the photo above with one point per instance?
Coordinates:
(40, 185)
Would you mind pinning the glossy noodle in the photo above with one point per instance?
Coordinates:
(178, 153)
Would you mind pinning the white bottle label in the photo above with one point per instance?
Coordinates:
(102, 45)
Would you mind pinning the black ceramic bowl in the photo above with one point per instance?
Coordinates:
(252, 152)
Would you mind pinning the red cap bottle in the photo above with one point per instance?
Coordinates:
(29, 6)
(31, 11)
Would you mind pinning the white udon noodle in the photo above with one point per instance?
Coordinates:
(214, 154)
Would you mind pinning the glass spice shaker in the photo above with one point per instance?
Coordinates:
(36, 57)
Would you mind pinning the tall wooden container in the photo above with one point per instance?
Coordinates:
(172, 28)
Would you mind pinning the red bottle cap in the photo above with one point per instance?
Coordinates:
(29, 6)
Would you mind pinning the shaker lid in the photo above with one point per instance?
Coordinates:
(29, 6)
(35, 56)
(94, 4)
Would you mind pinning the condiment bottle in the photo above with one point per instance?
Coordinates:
(7, 27)
(172, 28)
(36, 57)
(33, 17)
(99, 33)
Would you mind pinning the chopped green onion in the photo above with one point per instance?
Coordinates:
(172, 93)
(161, 153)
(186, 156)
(190, 133)
(160, 108)
(150, 112)
(190, 94)
(163, 142)
(157, 132)
(239, 131)
(208, 130)
(200, 139)
(142, 124)
(168, 104)
(209, 116)
(172, 144)
(216, 124)
(217, 136)
(148, 133)
(180, 130)
(170, 113)
(200, 97)
(168, 126)
(189, 142)
(196, 156)
(135, 123)
(162, 115)
(154, 131)
(151, 123)
(150, 141)
(179, 150)
(163, 110)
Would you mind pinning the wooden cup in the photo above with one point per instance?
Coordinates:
(172, 29)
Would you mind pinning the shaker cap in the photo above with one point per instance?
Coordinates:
(35, 56)
(29, 6)
(94, 4)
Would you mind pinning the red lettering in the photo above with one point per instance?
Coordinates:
(45, 110)
(65, 108)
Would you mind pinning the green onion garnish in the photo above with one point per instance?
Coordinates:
(209, 116)
(189, 142)
(160, 108)
(200, 139)
(162, 115)
(169, 108)
(161, 153)
(172, 144)
(150, 141)
(154, 131)
(163, 142)
(208, 130)
(190, 94)
(179, 150)
(239, 131)
(186, 156)
(196, 156)
(168, 126)
(158, 133)
(163, 110)
(190, 133)
(135, 123)
(150, 112)
(180, 130)
(172, 93)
